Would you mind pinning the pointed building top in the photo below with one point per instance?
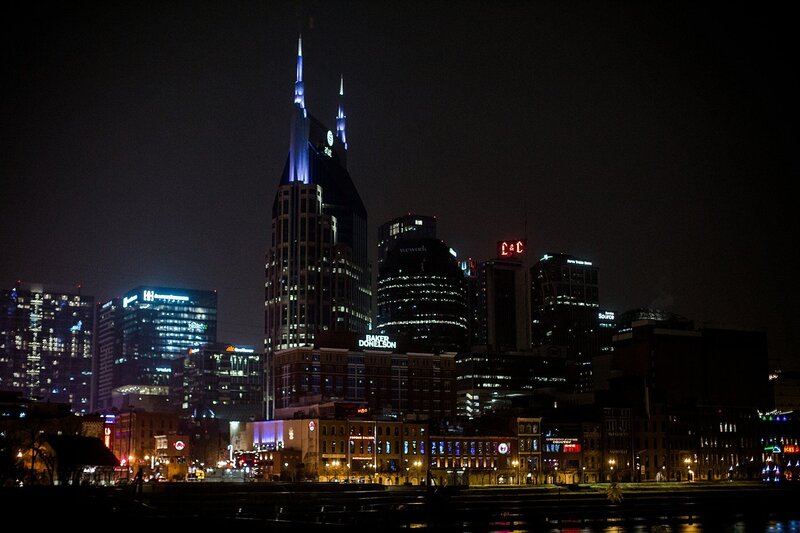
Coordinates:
(340, 116)
(298, 145)
(299, 91)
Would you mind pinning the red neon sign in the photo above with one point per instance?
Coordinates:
(572, 448)
(791, 448)
(510, 248)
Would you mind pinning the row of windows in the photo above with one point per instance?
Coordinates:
(380, 447)
(478, 462)
(359, 430)
(469, 447)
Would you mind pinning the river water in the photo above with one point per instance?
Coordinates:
(769, 526)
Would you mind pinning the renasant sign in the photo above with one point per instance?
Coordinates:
(377, 341)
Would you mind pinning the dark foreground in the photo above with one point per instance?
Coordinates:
(312, 506)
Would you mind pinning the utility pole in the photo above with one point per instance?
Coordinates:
(130, 431)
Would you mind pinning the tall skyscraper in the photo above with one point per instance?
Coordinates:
(46, 344)
(318, 275)
(422, 296)
(408, 226)
(499, 299)
(565, 311)
(140, 334)
(108, 347)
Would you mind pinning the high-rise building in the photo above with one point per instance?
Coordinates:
(108, 346)
(219, 381)
(422, 296)
(141, 334)
(408, 226)
(500, 310)
(565, 311)
(318, 276)
(46, 344)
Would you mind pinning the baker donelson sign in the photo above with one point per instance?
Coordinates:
(377, 341)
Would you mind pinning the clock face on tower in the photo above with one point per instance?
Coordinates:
(330, 138)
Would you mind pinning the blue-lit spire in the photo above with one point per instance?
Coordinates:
(340, 116)
(298, 143)
(299, 91)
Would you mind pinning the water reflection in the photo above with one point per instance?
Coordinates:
(773, 526)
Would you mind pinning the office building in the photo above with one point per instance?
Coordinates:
(219, 381)
(680, 364)
(408, 226)
(422, 297)
(46, 344)
(565, 311)
(141, 334)
(500, 316)
(108, 346)
(491, 382)
(371, 373)
(318, 276)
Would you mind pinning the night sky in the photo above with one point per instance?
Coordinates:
(143, 144)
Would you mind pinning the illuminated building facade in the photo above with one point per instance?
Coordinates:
(779, 446)
(408, 226)
(475, 459)
(356, 450)
(562, 451)
(729, 444)
(46, 344)
(565, 311)
(141, 334)
(219, 381)
(132, 435)
(529, 433)
(422, 296)
(318, 274)
(393, 384)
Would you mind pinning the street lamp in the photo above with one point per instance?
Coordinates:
(515, 464)
(689, 472)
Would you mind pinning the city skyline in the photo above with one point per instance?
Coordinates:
(641, 138)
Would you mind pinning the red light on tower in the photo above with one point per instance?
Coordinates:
(511, 248)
